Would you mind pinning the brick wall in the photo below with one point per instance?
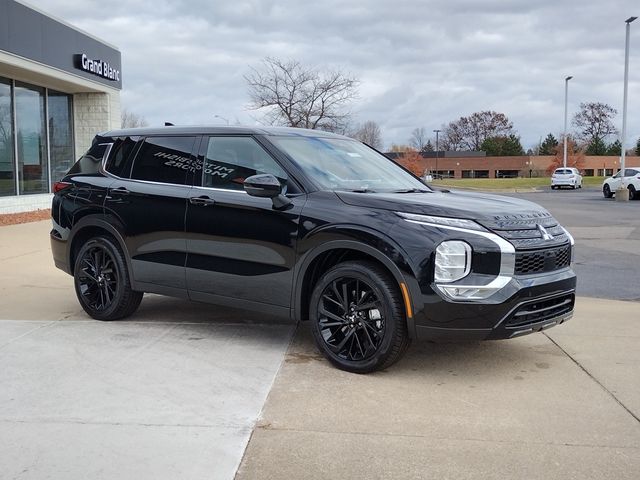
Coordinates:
(523, 164)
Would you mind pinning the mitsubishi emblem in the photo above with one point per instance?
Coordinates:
(543, 231)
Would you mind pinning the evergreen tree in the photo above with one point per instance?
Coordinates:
(547, 147)
(596, 147)
(638, 148)
(428, 147)
(502, 146)
(512, 146)
(615, 148)
(492, 146)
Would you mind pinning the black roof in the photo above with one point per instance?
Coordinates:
(218, 129)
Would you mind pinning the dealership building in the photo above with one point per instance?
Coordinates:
(59, 86)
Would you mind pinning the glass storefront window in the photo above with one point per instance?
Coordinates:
(27, 114)
(59, 110)
(7, 164)
(31, 139)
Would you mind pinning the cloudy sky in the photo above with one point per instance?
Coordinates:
(420, 63)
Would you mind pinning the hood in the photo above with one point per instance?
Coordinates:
(481, 207)
(525, 224)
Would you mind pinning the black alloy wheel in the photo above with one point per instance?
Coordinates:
(606, 191)
(358, 319)
(102, 281)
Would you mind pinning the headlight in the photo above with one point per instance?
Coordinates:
(442, 221)
(453, 261)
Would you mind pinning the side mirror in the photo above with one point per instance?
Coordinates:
(266, 185)
(263, 185)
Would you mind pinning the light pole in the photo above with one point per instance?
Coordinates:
(437, 132)
(566, 101)
(623, 188)
(221, 118)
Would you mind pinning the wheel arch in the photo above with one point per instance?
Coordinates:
(331, 253)
(90, 226)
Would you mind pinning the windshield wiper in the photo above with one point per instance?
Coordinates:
(362, 190)
(411, 190)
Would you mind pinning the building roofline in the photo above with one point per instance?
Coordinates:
(65, 23)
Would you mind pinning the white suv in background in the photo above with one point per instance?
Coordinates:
(566, 177)
(631, 180)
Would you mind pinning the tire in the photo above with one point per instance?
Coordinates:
(102, 281)
(553, 187)
(633, 194)
(606, 191)
(359, 336)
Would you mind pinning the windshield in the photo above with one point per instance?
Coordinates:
(342, 164)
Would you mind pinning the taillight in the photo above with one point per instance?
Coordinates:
(58, 186)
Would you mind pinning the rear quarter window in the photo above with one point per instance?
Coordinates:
(91, 161)
(119, 161)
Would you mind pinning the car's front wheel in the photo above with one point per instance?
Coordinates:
(357, 317)
(102, 281)
(606, 191)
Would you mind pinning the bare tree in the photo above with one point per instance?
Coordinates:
(452, 137)
(300, 96)
(132, 120)
(369, 133)
(418, 139)
(594, 122)
(470, 132)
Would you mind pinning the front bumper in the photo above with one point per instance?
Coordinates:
(526, 305)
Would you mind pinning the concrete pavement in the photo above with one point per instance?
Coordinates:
(175, 392)
(559, 405)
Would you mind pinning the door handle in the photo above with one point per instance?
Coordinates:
(119, 191)
(203, 201)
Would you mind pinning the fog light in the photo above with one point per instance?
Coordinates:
(453, 261)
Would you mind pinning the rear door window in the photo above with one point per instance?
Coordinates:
(165, 160)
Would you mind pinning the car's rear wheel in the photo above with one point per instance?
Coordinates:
(606, 191)
(357, 317)
(102, 281)
(633, 194)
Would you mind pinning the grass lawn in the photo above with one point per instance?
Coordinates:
(508, 183)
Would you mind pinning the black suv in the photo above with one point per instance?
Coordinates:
(310, 225)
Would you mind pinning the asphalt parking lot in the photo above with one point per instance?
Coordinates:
(184, 390)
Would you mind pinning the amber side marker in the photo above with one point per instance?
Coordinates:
(407, 301)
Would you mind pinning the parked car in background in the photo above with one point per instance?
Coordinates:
(566, 177)
(631, 180)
